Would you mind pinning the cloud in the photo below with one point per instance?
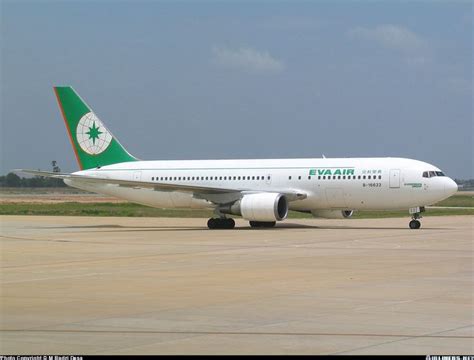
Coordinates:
(393, 37)
(247, 59)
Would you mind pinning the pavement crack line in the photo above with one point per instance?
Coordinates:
(410, 337)
(252, 333)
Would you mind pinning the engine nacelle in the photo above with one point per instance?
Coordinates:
(260, 207)
(332, 214)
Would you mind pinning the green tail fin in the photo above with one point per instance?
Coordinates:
(93, 144)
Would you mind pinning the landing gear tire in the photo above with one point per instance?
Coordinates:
(262, 224)
(220, 223)
(212, 223)
(415, 224)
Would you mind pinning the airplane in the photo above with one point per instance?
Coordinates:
(261, 191)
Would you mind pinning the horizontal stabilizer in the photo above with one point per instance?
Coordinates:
(42, 173)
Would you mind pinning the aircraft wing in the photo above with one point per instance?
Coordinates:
(218, 195)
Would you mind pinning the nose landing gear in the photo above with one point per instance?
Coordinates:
(416, 215)
(415, 224)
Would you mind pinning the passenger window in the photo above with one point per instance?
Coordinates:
(369, 177)
(309, 177)
(319, 177)
(289, 177)
(268, 177)
(344, 178)
(324, 177)
(152, 179)
(380, 177)
(339, 177)
(363, 177)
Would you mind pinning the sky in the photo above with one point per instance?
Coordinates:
(241, 79)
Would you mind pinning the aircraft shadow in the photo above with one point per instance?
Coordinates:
(283, 226)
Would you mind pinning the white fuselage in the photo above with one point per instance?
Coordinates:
(329, 183)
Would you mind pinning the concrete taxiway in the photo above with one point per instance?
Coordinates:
(88, 285)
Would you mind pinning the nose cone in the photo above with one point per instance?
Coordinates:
(450, 187)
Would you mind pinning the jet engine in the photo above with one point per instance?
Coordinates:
(260, 207)
(332, 214)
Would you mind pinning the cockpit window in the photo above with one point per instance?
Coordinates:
(429, 174)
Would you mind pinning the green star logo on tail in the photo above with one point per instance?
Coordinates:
(92, 136)
(94, 133)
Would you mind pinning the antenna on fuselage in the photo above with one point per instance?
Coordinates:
(324, 156)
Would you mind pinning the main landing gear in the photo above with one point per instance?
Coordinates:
(416, 215)
(221, 223)
(262, 224)
(228, 223)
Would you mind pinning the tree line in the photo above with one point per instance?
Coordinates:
(465, 184)
(13, 180)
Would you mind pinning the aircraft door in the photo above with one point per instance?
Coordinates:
(394, 178)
